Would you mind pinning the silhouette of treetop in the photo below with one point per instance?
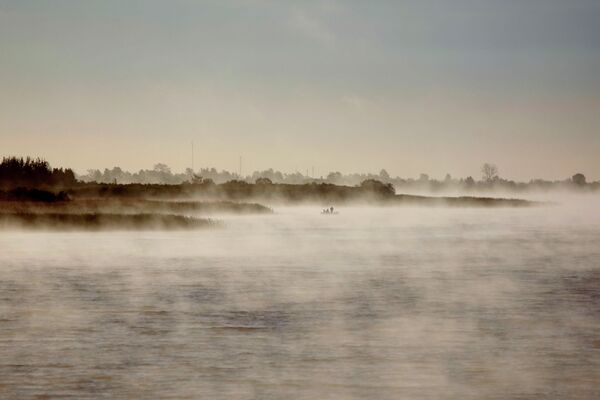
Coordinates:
(33, 173)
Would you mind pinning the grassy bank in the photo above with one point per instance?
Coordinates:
(370, 192)
(96, 222)
(234, 197)
(134, 206)
(462, 201)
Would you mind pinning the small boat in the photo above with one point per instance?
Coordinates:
(329, 211)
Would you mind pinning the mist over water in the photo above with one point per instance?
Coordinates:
(376, 302)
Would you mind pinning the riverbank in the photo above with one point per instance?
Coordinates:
(97, 222)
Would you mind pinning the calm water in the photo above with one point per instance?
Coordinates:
(370, 304)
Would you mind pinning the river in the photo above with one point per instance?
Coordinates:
(372, 303)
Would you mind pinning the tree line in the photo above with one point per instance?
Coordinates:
(36, 173)
(489, 180)
(33, 173)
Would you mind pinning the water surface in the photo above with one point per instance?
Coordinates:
(386, 303)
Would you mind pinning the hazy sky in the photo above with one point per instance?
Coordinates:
(410, 86)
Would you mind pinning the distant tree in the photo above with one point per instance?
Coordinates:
(264, 181)
(378, 187)
(163, 168)
(94, 175)
(424, 178)
(470, 181)
(579, 179)
(489, 172)
(334, 177)
(63, 177)
(383, 174)
(197, 179)
(200, 180)
(448, 178)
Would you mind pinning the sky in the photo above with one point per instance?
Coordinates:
(414, 87)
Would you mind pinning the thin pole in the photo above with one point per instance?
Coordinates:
(192, 156)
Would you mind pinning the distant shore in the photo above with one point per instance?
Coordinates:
(252, 197)
(463, 201)
(170, 207)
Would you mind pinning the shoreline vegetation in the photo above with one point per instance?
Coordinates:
(32, 195)
(230, 197)
(96, 222)
(134, 206)
(370, 192)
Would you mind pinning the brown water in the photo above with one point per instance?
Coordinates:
(368, 304)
